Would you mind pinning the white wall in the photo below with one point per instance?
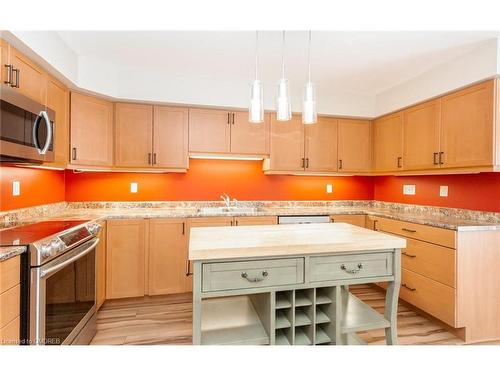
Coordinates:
(479, 64)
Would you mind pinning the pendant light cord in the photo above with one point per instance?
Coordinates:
(256, 53)
(283, 56)
(309, 58)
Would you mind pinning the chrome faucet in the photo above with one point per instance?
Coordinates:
(226, 199)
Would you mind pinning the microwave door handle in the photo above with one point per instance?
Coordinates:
(42, 115)
(57, 267)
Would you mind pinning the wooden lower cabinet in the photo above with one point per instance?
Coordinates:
(167, 256)
(101, 268)
(126, 258)
(10, 301)
(358, 220)
(255, 220)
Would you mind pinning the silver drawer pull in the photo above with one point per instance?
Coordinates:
(255, 279)
(343, 267)
(408, 255)
(408, 287)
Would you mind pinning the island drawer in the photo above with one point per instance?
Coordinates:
(346, 267)
(252, 274)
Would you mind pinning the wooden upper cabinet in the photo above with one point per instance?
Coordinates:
(126, 258)
(91, 131)
(4, 60)
(467, 127)
(58, 100)
(31, 79)
(170, 137)
(209, 131)
(354, 145)
(388, 142)
(249, 138)
(287, 145)
(421, 125)
(133, 135)
(321, 145)
(167, 256)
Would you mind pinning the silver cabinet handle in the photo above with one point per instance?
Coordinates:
(303, 165)
(435, 158)
(441, 158)
(343, 267)
(42, 115)
(229, 118)
(188, 268)
(232, 118)
(408, 255)
(18, 73)
(154, 158)
(149, 158)
(408, 287)
(255, 279)
(73, 153)
(9, 74)
(307, 162)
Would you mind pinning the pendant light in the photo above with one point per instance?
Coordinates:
(309, 114)
(256, 108)
(283, 105)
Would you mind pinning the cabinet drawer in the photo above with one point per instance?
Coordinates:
(9, 335)
(252, 274)
(433, 261)
(439, 236)
(343, 267)
(9, 273)
(9, 305)
(431, 296)
(358, 220)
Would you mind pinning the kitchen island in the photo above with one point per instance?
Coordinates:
(288, 284)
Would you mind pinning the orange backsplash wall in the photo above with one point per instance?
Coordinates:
(474, 191)
(208, 179)
(38, 186)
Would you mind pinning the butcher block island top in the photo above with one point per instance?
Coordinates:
(289, 284)
(285, 240)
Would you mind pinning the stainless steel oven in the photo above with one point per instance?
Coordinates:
(26, 129)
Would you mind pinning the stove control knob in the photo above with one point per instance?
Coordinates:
(56, 245)
(94, 228)
(46, 250)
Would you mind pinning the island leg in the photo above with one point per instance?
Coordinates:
(391, 301)
(197, 303)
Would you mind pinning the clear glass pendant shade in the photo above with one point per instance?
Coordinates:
(309, 114)
(256, 108)
(283, 105)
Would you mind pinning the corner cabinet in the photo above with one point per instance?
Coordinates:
(91, 131)
(388, 145)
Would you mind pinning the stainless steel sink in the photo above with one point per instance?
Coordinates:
(227, 210)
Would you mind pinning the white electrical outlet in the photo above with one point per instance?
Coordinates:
(329, 188)
(16, 188)
(409, 189)
(133, 187)
(443, 191)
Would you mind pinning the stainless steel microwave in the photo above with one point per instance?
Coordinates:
(26, 129)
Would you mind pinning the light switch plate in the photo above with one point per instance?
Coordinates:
(409, 189)
(16, 188)
(443, 191)
(133, 187)
(329, 188)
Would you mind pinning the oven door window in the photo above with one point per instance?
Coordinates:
(70, 295)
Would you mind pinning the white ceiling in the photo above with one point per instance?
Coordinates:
(364, 63)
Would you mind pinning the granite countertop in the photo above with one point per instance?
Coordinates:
(286, 240)
(8, 252)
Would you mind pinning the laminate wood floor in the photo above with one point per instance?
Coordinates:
(167, 320)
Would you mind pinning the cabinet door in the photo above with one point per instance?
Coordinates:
(255, 220)
(101, 268)
(167, 256)
(421, 136)
(170, 137)
(209, 131)
(321, 145)
(202, 222)
(355, 146)
(467, 127)
(133, 135)
(248, 138)
(31, 78)
(4, 60)
(287, 145)
(126, 258)
(91, 131)
(388, 142)
(58, 100)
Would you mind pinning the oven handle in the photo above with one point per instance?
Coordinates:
(57, 267)
(42, 114)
